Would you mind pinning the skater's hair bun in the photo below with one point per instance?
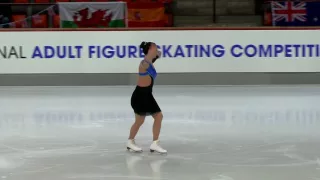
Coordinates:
(145, 46)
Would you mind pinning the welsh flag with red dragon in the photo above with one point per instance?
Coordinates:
(92, 14)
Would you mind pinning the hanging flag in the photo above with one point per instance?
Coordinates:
(291, 13)
(92, 15)
(149, 14)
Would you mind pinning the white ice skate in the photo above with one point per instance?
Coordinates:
(131, 145)
(156, 147)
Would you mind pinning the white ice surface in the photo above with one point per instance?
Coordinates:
(211, 133)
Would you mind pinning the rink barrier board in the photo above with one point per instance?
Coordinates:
(213, 78)
(213, 51)
(160, 29)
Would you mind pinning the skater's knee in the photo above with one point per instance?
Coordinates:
(158, 116)
(139, 122)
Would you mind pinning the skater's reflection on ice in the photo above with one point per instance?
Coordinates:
(135, 162)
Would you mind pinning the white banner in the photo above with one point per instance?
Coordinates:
(183, 51)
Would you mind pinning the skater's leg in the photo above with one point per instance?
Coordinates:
(156, 132)
(133, 132)
(136, 126)
(157, 125)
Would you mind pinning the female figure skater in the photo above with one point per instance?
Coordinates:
(142, 100)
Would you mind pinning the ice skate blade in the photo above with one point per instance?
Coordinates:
(131, 150)
(152, 151)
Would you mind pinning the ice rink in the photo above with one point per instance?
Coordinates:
(211, 133)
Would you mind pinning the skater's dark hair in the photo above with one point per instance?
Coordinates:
(145, 46)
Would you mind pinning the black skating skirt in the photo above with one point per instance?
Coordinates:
(143, 102)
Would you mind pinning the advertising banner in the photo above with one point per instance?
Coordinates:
(182, 51)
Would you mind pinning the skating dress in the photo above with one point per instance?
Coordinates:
(142, 100)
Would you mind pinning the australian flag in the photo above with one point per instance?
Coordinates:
(289, 13)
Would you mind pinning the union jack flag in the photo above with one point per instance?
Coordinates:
(289, 13)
